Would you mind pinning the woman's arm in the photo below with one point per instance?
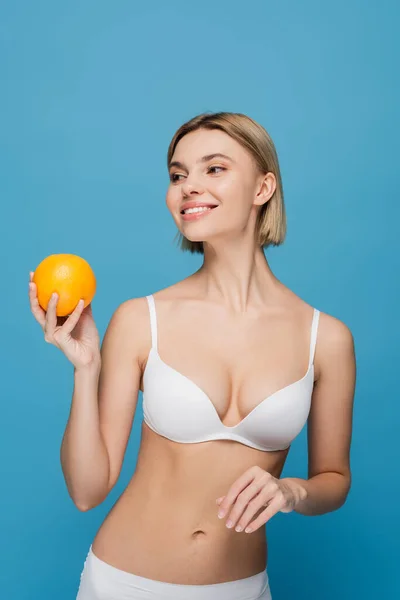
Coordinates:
(329, 422)
(102, 410)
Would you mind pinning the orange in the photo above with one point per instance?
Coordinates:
(70, 276)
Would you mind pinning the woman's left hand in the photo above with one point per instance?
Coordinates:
(254, 490)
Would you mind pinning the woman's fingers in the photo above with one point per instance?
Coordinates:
(36, 309)
(73, 318)
(52, 326)
(51, 319)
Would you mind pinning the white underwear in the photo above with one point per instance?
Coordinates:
(101, 581)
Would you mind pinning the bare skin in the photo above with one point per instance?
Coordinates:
(238, 333)
(165, 525)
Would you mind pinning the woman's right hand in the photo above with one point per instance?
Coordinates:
(75, 335)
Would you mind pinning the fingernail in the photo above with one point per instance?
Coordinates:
(238, 528)
(221, 514)
(229, 524)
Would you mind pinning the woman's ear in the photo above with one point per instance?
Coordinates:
(266, 188)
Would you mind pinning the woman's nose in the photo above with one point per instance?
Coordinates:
(191, 187)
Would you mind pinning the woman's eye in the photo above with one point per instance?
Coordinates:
(174, 176)
(215, 167)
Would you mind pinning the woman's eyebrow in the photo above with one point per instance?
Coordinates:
(176, 163)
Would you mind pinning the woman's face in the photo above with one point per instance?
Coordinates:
(231, 183)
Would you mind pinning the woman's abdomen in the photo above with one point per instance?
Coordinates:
(174, 535)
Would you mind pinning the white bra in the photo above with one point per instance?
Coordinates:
(176, 408)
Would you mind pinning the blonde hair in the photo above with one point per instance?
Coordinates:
(271, 219)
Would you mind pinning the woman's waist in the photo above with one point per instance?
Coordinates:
(186, 510)
(179, 525)
(189, 508)
(162, 544)
(192, 520)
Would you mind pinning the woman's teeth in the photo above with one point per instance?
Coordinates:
(197, 209)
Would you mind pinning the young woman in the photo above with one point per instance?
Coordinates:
(232, 365)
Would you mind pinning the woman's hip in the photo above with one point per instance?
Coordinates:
(101, 581)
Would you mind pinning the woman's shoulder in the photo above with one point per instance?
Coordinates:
(332, 325)
(180, 290)
(134, 309)
(334, 339)
(334, 332)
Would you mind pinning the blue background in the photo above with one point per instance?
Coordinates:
(92, 92)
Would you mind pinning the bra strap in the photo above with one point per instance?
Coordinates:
(313, 340)
(153, 320)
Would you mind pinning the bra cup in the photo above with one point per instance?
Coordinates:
(175, 407)
(281, 418)
(178, 409)
(174, 403)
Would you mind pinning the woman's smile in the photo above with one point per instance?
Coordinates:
(195, 213)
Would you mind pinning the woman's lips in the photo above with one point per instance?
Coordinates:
(197, 215)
